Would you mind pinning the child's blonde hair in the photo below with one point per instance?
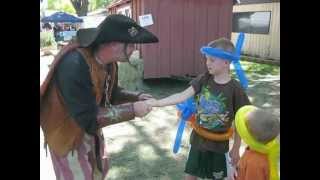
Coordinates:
(222, 43)
(263, 126)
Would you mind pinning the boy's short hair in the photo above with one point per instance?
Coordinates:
(222, 43)
(263, 126)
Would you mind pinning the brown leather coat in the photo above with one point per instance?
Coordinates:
(61, 132)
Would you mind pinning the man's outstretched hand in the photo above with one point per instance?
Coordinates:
(141, 108)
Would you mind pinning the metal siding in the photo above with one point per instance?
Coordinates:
(164, 35)
(153, 8)
(150, 52)
(254, 1)
(188, 37)
(201, 38)
(135, 9)
(262, 45)
(176, 40)
(275, 29)
(224, 18)
(182, 26)
(213, 20)
(228, 11)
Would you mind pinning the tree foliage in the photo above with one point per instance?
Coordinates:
(79, 7)
(61, 5)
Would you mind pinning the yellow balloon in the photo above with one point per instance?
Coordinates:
(272, 149)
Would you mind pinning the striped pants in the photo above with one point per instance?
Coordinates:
(81, 164)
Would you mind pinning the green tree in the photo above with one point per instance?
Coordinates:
(61, 5)
(68, 9)
(81, 6)
(96, 4)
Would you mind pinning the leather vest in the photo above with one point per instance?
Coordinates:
(61, 132)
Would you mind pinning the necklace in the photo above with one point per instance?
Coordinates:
(98, 60)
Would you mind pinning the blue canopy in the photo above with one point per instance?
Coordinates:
(61, 17)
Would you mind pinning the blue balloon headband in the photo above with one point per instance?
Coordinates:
(232, 57)
(215, 52)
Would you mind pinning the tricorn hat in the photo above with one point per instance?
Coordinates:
(115, 27)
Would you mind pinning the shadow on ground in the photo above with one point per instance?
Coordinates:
(146, 158)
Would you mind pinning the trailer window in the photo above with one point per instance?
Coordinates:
(251, 22)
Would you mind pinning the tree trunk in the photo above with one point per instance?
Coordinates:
(81, 6)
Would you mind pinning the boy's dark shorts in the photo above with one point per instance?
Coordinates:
(206, 164)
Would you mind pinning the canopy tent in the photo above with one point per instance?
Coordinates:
(61, 17)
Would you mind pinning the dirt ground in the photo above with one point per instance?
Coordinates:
(142, 148)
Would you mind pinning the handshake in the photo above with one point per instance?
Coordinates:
(144, 105)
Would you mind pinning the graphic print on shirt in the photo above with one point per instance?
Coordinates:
(211, 112)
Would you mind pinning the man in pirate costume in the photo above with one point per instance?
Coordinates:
(80, 95)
